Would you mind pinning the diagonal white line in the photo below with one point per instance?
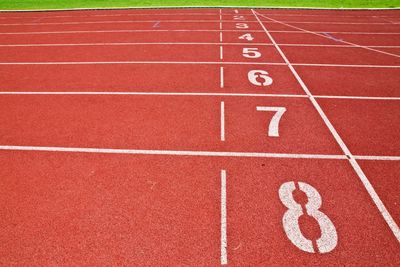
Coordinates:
(322, 35)
(368, 186)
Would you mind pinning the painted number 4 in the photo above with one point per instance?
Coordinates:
(328, 240)
(273, 129)
(247, 37)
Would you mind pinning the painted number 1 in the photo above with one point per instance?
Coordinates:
(328, 240)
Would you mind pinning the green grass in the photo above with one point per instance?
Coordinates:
(60, 4)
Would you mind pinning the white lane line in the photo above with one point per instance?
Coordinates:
(191, 14)
(332, 22)
(222, 110)
(345, 65)
(338, 32)
(112, 15)
(377, 157)
(187, 43)
(221, 52)
(322, 35)
(390, 98)
(338, 45)
(118, 21)
(172, 152)
(224, 239)
(189, 21)
(371, 191)
(358, 97)
(139, 62)
(322, 15)
(155, 94)
(193, 62)
(183, 30)
(220, 19)
(221, 75)
(139, 43)
(120, 31)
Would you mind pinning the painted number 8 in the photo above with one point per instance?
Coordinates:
(328, 240)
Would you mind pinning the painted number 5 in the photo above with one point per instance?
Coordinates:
(328, 240)
(242, 26)
(251, 53)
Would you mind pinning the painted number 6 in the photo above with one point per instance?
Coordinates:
(328, 240)
(259, 77)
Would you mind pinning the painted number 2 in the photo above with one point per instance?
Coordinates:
(328, 240)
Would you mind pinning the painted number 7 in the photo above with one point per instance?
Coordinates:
(273, 129)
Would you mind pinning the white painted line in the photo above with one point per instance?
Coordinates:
(184, 30)
(111, 15)
(190, 21)
(220, 25)
(221, 52)
(172, 152)
(193, 62)
(340, 32)
(377, 157)
(339, 46)
(220, 19)
(368, 16)
(221, 75)
(371, 191)
(331, 22)
(186, 14)
(119, 31)
(138, 62)
(128, 43)
(112, 8)
(222, 120)
(224, 238)
(155, 94)
(322, 35)
(389, 98)
(358, 97)
(121, 22)
(345, 65)
(186, 43)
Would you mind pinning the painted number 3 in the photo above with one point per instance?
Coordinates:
(328, 240)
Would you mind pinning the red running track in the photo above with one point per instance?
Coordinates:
(200, 137)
